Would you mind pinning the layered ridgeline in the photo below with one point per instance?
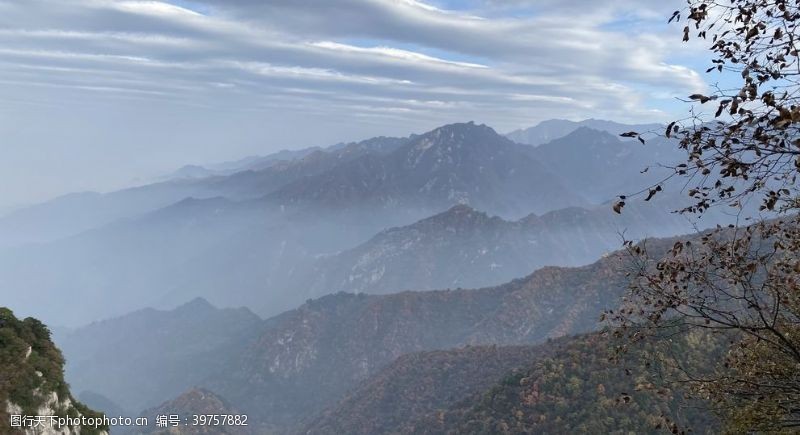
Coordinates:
(249, 178)
(292, 366)
(260, 253)
(464, 247)
(32, 381)
(322, 203)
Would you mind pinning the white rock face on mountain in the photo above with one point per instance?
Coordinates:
(34, 398)
(51, 405)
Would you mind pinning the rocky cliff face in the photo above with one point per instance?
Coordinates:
(32, 382)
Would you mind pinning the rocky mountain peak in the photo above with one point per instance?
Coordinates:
(456, 134)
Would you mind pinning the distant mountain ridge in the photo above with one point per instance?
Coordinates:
(464, 247)
(604, 167)
(553, 129)
(256, 163)
(456, 163)
(75, 213)
(257, 176)
(258, 237)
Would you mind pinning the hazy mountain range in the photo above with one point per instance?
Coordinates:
(332, 355)
(464, 247)
(368, 216)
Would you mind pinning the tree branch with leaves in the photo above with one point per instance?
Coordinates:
(740, 282)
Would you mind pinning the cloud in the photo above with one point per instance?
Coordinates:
(349, 40)
(352, 67)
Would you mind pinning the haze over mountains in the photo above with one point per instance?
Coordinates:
(248, 179)
(284, 228)
(463, 247)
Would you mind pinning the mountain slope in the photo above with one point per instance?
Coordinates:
(78, 212)
(572, 384)
(204, 245)
(380, 144)
(246, 254)
(279, 371)
(465, 163)
(579, 385)
(259, 178)
(417, 384)
(253, 163)
(231, 253)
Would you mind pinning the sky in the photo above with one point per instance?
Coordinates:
(103, 94)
